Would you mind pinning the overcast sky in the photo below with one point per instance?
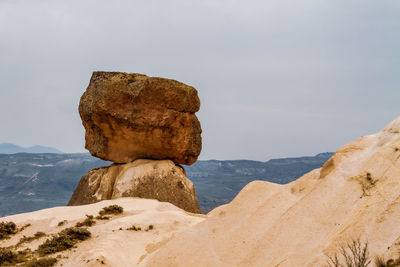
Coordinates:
(275, 78)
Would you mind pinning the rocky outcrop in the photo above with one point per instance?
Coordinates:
(132, 116)
(157, 179)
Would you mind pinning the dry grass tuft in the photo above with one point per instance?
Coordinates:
(353, 254)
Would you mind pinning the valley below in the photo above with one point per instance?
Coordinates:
(31, 182)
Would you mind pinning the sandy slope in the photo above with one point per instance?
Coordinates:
(355, 194)
(108, 243)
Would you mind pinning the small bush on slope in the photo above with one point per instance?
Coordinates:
(354, 254)
(7, 229)
(87, 222)
(113, 209)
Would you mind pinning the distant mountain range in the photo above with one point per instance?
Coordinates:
(30, 182)
(6, 148)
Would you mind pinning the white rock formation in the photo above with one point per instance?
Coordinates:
(356, 194)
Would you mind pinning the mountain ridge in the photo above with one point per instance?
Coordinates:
(9, 148)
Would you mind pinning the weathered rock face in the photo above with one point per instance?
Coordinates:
(156, 179)
(132, 116)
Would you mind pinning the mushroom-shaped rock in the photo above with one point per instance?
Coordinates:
(132, 116)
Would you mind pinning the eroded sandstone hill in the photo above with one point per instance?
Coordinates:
(356, 194)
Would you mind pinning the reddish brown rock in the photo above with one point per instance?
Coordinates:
(157, 179)
(131, 116)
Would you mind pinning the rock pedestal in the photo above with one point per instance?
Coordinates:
(158, 179)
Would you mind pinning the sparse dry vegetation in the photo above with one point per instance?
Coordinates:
(7, 257)
(353, 254)
(89, 221)
(28, 239)
(64, 240)
(113, 209)
(43, 262)
(134, 228)
(101, 217)
(381, 262)
(11, 258)
(24, 227)
(61, 223)
(367, 182)
(7, 229)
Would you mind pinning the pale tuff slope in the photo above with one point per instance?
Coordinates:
(111, 244)
(356, 194)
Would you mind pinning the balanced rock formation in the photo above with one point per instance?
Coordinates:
(158, 179)
(133, 116)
